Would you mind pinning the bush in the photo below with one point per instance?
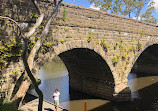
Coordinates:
(6, 105)
(105, 45)
(139, 45)
(116, 59)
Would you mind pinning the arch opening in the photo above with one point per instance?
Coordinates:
(88, 72)
(143, 79)
(147, 62)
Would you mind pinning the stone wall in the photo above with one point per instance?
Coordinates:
(9, 78)
(118, 40)
(93, 86)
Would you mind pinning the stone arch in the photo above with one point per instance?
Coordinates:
(137, 55)
(84, 44)
(78, 44)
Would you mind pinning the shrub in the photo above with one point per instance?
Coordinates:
(105, 45)
(132, 48)
(116, 59)
(116, 44)
(6, 105)
(124, 56)
(90, 36)
(139, 45)
(64, 14)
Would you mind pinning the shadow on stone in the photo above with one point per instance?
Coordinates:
(17, 85)
(48, 109)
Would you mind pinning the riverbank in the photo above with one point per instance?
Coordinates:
(30, 103)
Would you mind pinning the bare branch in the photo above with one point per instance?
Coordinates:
(36, 6)
(60, 1)
(37, 24)
(42, 37)
(55, 2)
(13, 22)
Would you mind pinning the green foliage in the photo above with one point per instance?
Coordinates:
(21, 0)
(105, 45)
(9, 51)
(34, 15)
(10, 24)
(116, 44)
(121, 40)
(124, 56)
(62, 40)
(48, 44)
(127, 61)
(141, 34)
(15, 74)
(116, 59)
(65, 14)
(90, 36)
(130, 8)
(6, 105)
(66, 29)
(41, 27)
(133, 49)
(139, 45)
(31, 43)
(147, 16)
(38, 81)
(126, 66)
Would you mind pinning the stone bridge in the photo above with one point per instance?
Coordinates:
(99, 49)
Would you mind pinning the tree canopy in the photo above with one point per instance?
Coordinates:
(140, 9)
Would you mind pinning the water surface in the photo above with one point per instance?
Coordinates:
(144, 88)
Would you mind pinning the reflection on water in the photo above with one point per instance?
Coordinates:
(77, 105)
(144, 90)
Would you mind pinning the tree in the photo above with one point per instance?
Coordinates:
(147, 16)
(128, 8)
(28, 59)
(116, 7)
(139, 7)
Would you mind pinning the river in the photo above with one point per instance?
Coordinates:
(144, 89)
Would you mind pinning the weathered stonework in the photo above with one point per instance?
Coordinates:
(118, 40)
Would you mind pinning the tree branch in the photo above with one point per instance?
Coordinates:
(37, 24)
(60, 1)
(24, 57)
(13, 22)
(42, 37)
(36, 6)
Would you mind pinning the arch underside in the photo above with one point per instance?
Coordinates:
(88, 72)
(147, 62)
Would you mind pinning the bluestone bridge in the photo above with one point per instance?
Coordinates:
(99, 49)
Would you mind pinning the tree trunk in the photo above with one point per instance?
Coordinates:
(24, 57)
(29, 63)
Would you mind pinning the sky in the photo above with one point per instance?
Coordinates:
(86, 3)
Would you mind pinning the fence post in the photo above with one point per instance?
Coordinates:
(85, 105)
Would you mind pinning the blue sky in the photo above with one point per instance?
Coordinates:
(86, 3)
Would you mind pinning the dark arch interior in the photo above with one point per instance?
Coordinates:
(147, 62)
(88, 72)
(143, 80)
(86, 62)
